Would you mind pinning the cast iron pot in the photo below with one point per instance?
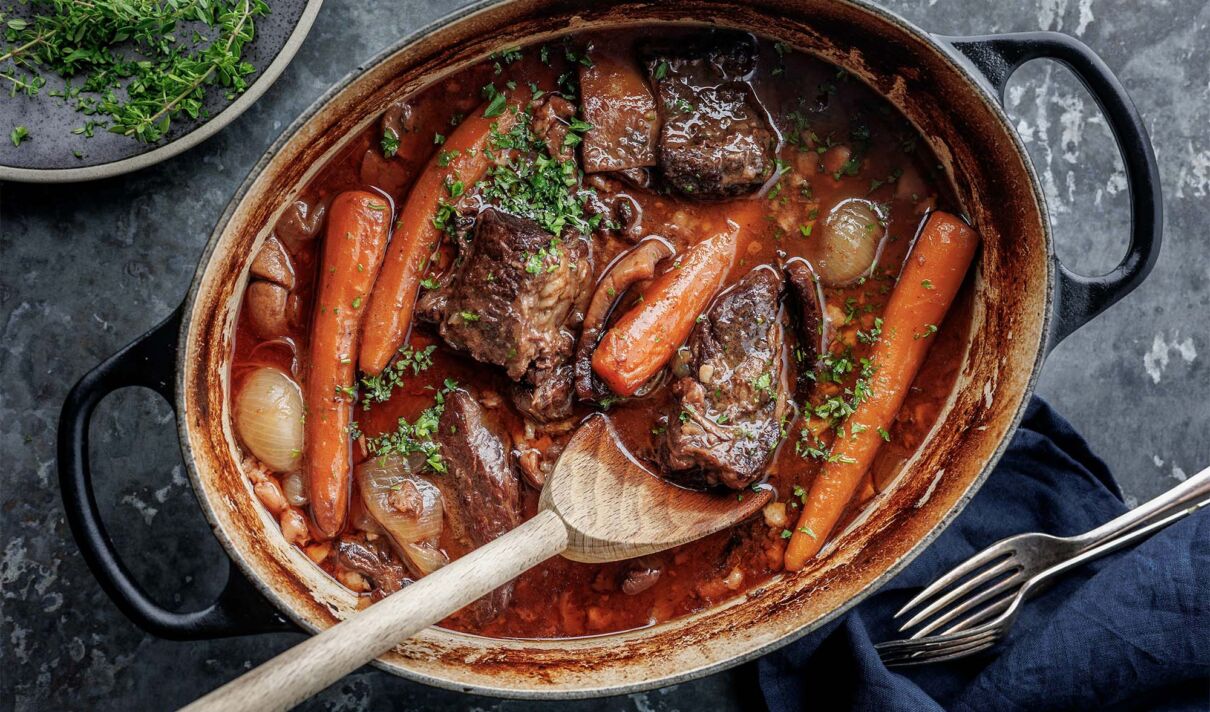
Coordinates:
(1025, 302)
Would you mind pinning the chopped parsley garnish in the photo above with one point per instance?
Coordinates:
(17, 135)
(681, 106)
(378, 389)
(871, 336)
(550, 256)
(389, 142)
(496, 106)
(574, 58)
(576, 127)
(838, 367)
(850, 168)
(534, 184)
(661, 70)
(605, 403)
(416, 437)
(504, 57)
(763, 382)
(468, 316)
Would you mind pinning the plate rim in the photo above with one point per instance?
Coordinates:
(192, 138)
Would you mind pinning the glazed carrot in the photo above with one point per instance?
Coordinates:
(466, 156)
(930, 279)
(358, 228)
(643, 340)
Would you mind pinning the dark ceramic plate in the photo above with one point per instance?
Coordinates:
(47, 155)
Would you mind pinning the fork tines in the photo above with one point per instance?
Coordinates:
(992, 576)
(919, 652)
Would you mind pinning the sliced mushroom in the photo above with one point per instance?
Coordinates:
(637, 177)
(273, 264)
(300, 222)
(267, 313)
(395, 121)
(634, 265)
(530, 460)
(812, 324)
(628, 214)
(644, 572)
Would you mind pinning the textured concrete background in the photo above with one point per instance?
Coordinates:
(85, 269)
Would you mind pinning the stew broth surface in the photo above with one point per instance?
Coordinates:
(836, 141)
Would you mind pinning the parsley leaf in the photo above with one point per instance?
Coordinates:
(389, 142)
(378, 389)
(495, 107)
(416, 437)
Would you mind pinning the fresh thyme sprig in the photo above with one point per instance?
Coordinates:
(121, 61)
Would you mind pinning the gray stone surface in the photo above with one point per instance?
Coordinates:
(85, 269)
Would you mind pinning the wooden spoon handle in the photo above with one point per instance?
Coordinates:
(323, 659)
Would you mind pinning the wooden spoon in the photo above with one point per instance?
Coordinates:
(598, 505)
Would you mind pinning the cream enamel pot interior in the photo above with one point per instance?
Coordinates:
(1024, 303)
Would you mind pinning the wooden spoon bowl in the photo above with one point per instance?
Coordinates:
(614, 508)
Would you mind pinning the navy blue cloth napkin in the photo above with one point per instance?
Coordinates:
(1130, 631)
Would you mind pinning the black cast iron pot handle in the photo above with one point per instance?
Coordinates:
(150, 362)
(1079, 298)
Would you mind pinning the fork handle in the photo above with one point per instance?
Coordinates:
(1112, 544)
(1188, 492)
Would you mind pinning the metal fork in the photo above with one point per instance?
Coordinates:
(993, 583)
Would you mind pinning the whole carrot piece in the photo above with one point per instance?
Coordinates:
(463, 159)
(358, 229)
(927, 286)
(643, 340)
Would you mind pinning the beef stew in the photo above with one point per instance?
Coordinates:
(713, 273)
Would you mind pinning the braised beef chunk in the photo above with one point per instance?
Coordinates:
(727, 413)
(715, 141)
(618, 102)
(551, 121)
(481, 483)
(545, 394)
(808, 320)
(512, 298)
(480, 486)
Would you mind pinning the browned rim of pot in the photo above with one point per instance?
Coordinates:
(999, 372)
